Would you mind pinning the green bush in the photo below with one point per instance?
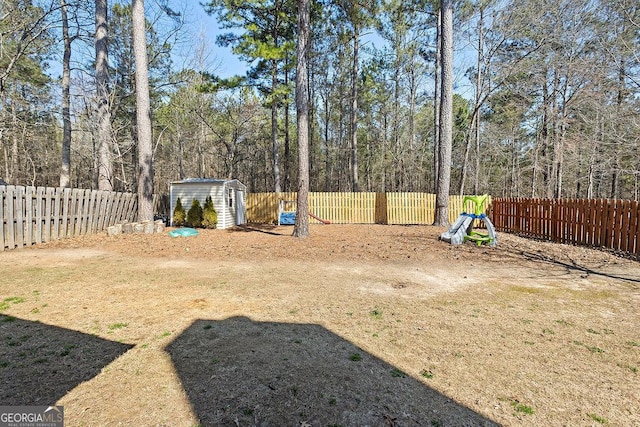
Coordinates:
(179, 214)
(209, 214)
(194, 216)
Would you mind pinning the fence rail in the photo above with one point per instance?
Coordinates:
(357, 208)
(611, 224)
(32, 215)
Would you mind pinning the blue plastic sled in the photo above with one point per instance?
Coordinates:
(183, 232)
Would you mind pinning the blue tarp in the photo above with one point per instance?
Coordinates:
(287, 218)
(183, 232)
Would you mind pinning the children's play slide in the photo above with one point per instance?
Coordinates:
(462, 230)
(458, 231)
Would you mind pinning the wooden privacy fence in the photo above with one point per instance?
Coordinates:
(357, 208)
(611, 224)
(32, 215)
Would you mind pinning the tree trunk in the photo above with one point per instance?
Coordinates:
(65, 170)
(180, 144)
(354, 109)
(398, 182)
(327, 160)
(301, 228)
(143, 114)
(5, 154)
(274, 129)
(616, 142)
(414, 182)
(446, 116)
(15, 166)
(536, 167)
(287, 149)
(200, 151)
(467, 149)
(274, 115)
(105, 160)
(555, 161)
(436, 102)
(479, 87)
(545, 138)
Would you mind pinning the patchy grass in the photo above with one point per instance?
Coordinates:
(395, 372)
(521, 408)
(7, 302)
(116, 326)
(526, 290)
(376, 314)
(355, 357)
(427, 373)
(564, 323)
(598, 419)
(591, 348)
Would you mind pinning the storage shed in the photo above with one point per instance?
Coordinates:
(228, 198)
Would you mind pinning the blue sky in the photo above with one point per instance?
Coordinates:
(226, 64)
(220, 60)
(229, 64)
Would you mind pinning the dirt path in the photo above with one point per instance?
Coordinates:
(356, 325)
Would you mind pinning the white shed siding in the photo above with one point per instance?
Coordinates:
(219, 192)
(230, 204)
(225, 219)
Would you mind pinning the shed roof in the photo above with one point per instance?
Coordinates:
(204, 181)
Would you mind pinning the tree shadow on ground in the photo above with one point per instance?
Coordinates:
(572, 265)
(240, 372)
(39, 363)
(260, 228)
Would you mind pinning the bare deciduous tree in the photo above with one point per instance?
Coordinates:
(65, 170)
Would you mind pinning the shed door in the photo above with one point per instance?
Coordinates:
(240, 207)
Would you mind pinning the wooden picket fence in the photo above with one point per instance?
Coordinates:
(610, 224)
(32, 215)
(357, 208)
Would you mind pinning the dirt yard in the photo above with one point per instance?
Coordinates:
(353, 326)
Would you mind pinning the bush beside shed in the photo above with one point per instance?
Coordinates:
(228, 195)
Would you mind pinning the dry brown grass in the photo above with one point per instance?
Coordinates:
(377, 325)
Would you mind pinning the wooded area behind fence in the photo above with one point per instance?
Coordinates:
(611, 224)
(357, 208)
(32, 215)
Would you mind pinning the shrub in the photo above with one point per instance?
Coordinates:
(179, 214)
(194, 216)
(209, 214)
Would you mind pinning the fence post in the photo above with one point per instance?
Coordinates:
(381, 216)
(637, 229)
(19, 206)
(2, 233)
(634, 228)
(28, 220)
